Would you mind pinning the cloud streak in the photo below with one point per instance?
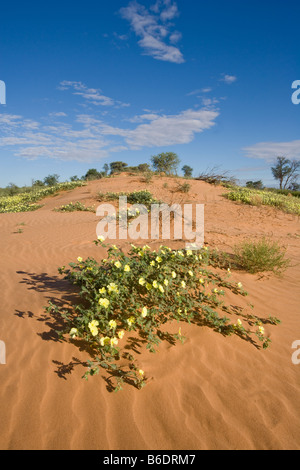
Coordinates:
(269, 151)
(91, 95)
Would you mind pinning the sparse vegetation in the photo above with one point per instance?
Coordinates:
(74, 207)
(93, 174)
(262, 256)
(136, 197)
(289, 204)
(255, 184)
(183, 187)
(27, 201)
(214, 176)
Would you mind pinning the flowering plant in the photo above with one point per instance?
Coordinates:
(141, 291)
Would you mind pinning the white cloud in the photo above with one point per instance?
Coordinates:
(167, 129)
(154, 30)
(209, 101)
(269, 151)
(59, 114)
(55, 141)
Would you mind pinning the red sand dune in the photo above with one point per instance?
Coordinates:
(212, 392)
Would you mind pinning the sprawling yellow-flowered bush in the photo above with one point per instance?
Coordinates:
(139, 292)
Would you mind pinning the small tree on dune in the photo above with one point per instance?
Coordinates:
(51, 180)
(187, 170)
(286, 172)
(166, 162)
(117, 167)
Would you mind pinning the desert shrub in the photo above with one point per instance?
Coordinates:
(260, 256)
(136, 197)
(73, 207)
(147, 176)
(130, 297)
(93, 174)
(183, 187)
(217, 177)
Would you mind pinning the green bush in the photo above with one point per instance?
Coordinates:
(136, 197)
(73, 207)
(183, 188)
(264, 255)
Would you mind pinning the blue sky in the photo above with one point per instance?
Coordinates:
(95, 82)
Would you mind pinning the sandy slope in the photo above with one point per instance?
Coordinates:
(211, 393)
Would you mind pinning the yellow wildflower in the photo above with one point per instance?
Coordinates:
(104, 340)
(93, 327)
(126, 268)
(112, 287)
(261, 330)
(113, 341)
(118, 264)
(130, 321)
(142, 281)
(144, 312)
(79, 259)
(73, 332)
(104, 303)
(112, 324)
(121, 333)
